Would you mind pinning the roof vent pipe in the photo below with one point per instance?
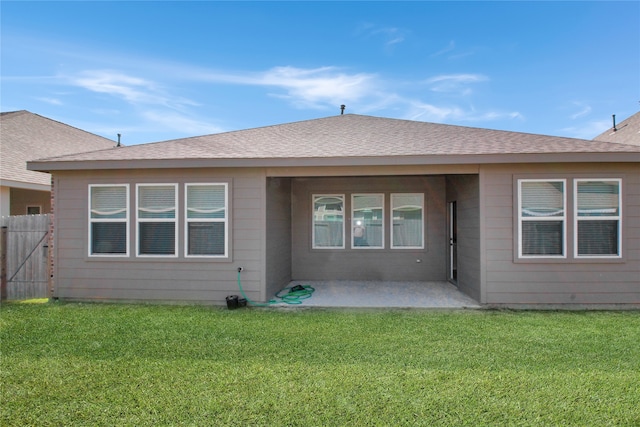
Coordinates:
(118, 141)
(614, 122)
(342, 107)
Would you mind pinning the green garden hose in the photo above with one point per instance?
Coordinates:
(289, 295)
(295, 294)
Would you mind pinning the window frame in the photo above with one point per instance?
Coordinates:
(424, 221)
(158, 220)
(225, 220)
(382, 221)
(577, 218)
(314, 197)
(31, 207)
(125, 220)
(563, 218)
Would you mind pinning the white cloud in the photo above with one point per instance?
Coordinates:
(418, 110)
(390, 35)
(448, 51)
(315, 87)
(395, 40)
(431, 113)
(159, 105)
(322, 85)
(149, 94)
(458, 78)
(52, 101)
(448, 48)
(364, 93)
(455, 82)
(587, 130)
(584, 110)
(493, 115)
(134, 90)
(180, 122)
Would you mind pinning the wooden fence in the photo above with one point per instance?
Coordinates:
(24, 253)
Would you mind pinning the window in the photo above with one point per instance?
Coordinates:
(407, 221)
(367, 221)
(34, 210)
(542, 218)
(157, 219)
(108, 220)
(328, 221)
(597, 218)
(206, 220)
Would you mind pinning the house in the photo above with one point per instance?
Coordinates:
(510, 218)
(626, 132)
(25, 136)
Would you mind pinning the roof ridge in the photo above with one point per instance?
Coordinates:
(249, 129)
(17, 112)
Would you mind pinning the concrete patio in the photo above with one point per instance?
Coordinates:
(375, 294)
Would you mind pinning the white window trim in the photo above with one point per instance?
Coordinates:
(175, 220)
(125, 220)
(353, 196)
(188, 220)
(33, 206)
(313, 221)
(550, 218)
(424, 221)
(596, 218)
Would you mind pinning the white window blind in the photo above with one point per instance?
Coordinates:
(157, 219)
(542, 218)
(328, 222)
(598, 217)
(206, 220)
(108, 219)
(367, 221)
(407, 217)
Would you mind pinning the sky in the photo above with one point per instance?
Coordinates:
(160, 70)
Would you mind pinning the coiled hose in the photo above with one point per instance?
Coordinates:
(289, 295)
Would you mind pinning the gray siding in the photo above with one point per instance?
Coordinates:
(208, 280)
(278, 230)
(270, 238)
(509, 280)
(464, 190)
(370, 264)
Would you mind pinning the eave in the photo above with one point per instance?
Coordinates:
(457, 159)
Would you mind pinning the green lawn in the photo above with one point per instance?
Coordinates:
(106, 364)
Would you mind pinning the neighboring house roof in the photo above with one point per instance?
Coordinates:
(626, 132)
(25, 136)
(347, 140)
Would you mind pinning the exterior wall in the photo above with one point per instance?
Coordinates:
(206, 280)
(428, 264)
(21, 198)
(5, 201)
(512, 281)
(464, 190)
(278, 232)
(270, 237)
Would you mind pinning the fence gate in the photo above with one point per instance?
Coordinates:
(24, 257)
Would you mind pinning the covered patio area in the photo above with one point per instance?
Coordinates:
(379, 294)
(386, 268)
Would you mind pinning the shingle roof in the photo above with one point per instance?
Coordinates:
(25, 136)
(627, 132)
(345, 137)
